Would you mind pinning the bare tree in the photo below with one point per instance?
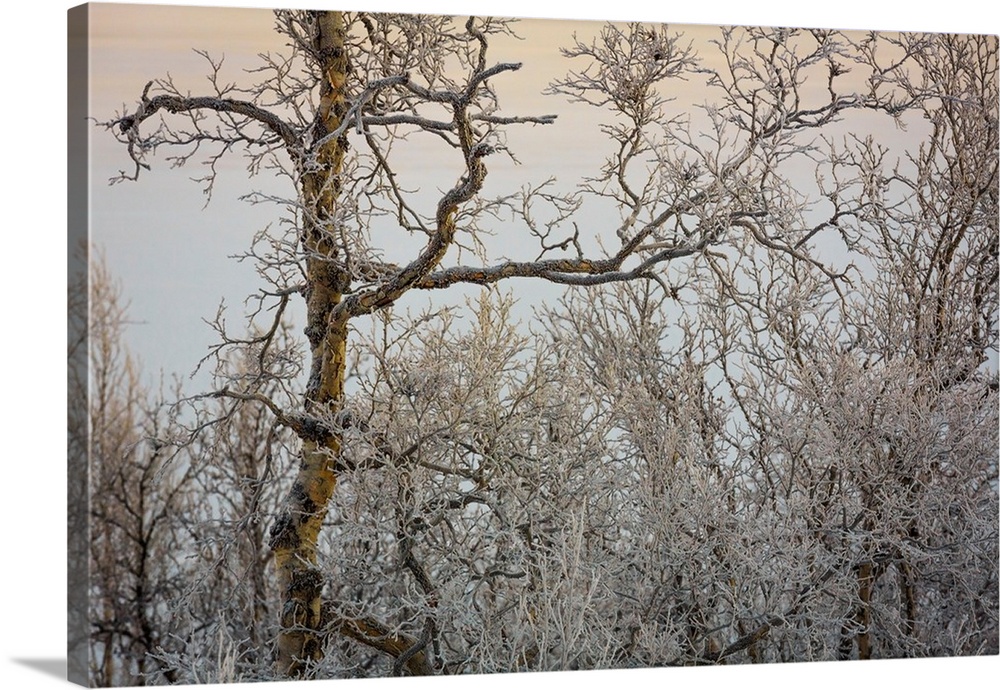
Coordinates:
(241, 459)
(136, 502)
(513, 500)
(871, 412)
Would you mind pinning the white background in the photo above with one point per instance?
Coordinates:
(32, 333)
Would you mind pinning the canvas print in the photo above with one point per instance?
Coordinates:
(408, 345)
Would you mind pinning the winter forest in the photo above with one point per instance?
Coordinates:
(727, 395)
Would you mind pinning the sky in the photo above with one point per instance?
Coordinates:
(34, 288)
(172, 253)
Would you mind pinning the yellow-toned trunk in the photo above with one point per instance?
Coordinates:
(295, 533)
(294, 541)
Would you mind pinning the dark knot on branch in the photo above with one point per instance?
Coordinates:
(480, 150)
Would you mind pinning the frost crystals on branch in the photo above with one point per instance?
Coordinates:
(760, 424)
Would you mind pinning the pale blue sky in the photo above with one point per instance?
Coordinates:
(172, 254)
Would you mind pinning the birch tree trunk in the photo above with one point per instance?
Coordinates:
(295, 532)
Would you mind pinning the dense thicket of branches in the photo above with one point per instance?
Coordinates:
(760, 425)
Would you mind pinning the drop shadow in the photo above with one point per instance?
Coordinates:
(50, 667)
